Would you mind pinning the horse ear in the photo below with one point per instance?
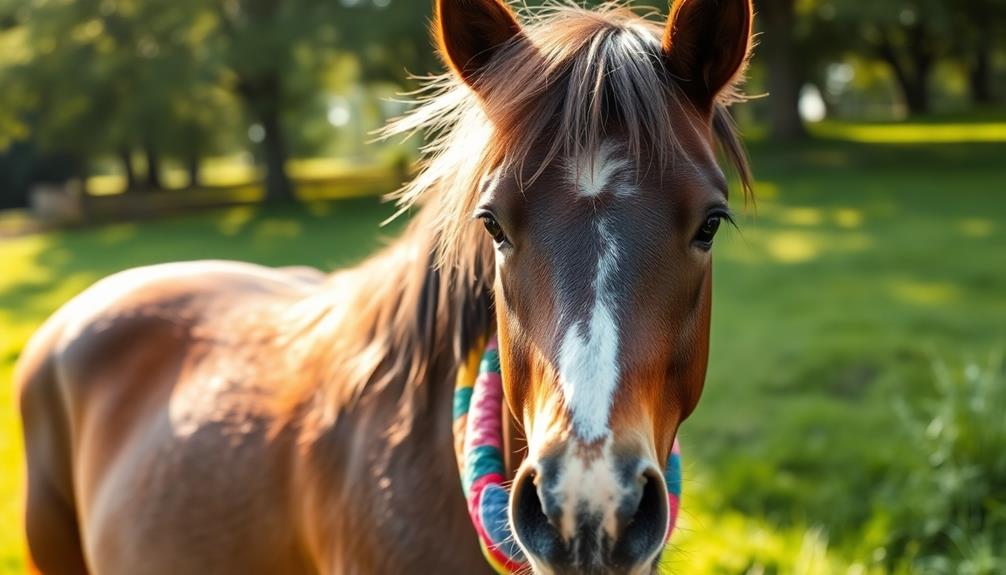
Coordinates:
(706, 44)
(468, 33)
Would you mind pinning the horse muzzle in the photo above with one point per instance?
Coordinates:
(584, 510)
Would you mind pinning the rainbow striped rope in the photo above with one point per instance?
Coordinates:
(478, 444)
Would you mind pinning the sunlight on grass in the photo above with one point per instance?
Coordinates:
(234, 220)
(228, 171)
(21, 266)
(333, 168)
(13, 221)
(848, 218)
(106, 185)
(909, 133)
(977, 227)
(731, 542)
(809, 217)
(118, 233)
(801, 216)
(796, 234)
(318, 209)
(11, 538)
(766, 192)
(925, 293)
(235, 172)
(793, 247)
(278, 228)
(20, 261)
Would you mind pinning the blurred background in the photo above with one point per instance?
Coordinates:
(854, 419)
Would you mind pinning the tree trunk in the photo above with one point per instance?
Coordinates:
(126, 157)
(153, 167)
(980, 72)
(778, 48)
(263, 98)
(920, 44)
(80, 172)
(912, 76)
(192, 169)
(916, 96)
(278, 187)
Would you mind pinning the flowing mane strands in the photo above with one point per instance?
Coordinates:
(571, 73)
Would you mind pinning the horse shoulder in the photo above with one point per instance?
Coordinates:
(161, 359)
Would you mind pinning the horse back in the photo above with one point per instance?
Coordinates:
(146, 402)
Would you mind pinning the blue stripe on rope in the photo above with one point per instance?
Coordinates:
(462, 401)
(496, 521)
(481, 461)
(490, 362)
(673, 474)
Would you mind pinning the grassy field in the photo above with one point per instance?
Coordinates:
(866, 260)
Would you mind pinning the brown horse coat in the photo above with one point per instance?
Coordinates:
(162, 437)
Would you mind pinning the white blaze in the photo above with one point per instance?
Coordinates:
(593, 175)
(588, 354)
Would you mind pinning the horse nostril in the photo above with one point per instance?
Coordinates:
(643, 519)
(626, 511)
(535, 531)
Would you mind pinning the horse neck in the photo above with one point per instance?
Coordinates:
(405, 324)
(388, 338)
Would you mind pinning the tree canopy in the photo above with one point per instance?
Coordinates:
(184, 79)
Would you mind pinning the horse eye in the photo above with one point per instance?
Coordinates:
(494, 228)
(708, 231)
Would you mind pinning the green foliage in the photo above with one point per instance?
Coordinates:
(951, 512)
(100, 78)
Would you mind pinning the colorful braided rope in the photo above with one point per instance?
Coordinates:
(478, 444)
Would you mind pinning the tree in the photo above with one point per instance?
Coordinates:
(276, 51)
(778, 47)
(116, 77)
(976, 26)
(260, 43)
(911, 54)
(63, 99)
(908, 35)
(103, 77)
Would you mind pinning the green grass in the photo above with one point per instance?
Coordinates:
(865, 263)
(862, 263)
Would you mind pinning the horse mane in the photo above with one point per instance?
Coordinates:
(567, 77)
(396, 323)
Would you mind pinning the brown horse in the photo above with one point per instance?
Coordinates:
(219, 417)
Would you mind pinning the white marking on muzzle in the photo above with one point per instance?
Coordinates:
(588, 484)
